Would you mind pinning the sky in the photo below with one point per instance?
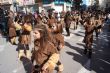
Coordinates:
(84, 1)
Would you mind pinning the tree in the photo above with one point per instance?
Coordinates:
(77, 3)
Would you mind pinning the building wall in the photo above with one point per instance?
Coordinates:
(104, 3)
(58, 8)
(6, 4)
(26, 5)
(91, 2)
(25, 2)
(108, 3)
(6, 1)
(58, 5)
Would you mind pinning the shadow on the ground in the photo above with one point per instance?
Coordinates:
(100, 63)
(78, 34)
(73, 29)
(78, 57)
(81, 44)
(79, 50)
(81, 32)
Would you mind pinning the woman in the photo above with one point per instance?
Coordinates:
(12, 29)
(25, 38)
(59, 42)
(45, 53)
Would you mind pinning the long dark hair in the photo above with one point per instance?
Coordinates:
(44, 33)
(27, 19)
(59, 28)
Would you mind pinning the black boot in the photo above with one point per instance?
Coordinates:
(68, 32)
(90, 53)
(85, 51)
(97, 34)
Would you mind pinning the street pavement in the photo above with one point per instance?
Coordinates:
(100, 63)
(72, 56)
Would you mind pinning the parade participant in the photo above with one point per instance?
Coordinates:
(31, 16)
(56, 15)
(43, 13)
(39, 19)
(36, 16)
(80, 20)
(46, 55)
(25, 38)
(74, 22)
(57, 34)
(62, 15)
(89, 29)
(98, 25)
(44, 19)
(17, 23)
(51, 20)
(67, 20)
(12, 29)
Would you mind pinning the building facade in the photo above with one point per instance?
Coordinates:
(6, 4)
(104, 3)
(26, 5)
(58, 5)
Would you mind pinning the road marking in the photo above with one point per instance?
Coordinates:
(85, 68)
(105, 61)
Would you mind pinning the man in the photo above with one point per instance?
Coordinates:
(67, 20)
(89, 29)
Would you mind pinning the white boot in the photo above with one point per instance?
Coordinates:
(28, 54)
(20, 54)
(60, 68)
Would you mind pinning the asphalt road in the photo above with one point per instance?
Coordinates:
(71, 56)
